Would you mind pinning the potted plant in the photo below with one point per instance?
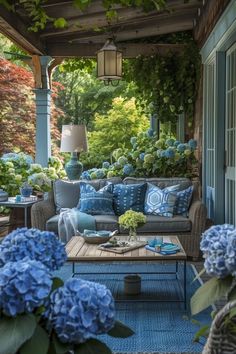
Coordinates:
(131, 220)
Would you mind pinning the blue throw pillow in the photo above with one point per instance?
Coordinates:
(160, 201)
(129, 196)
(96, 202)
(183, 201)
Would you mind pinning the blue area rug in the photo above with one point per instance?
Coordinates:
(159, 327)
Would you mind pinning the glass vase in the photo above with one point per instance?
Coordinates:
(133, 235)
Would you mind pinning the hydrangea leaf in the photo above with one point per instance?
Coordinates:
(56, 283)
(209, 293)
(92, 346)
(60, 348)
(120, 331)
(232, 294)
(37, 344)
(15, 331)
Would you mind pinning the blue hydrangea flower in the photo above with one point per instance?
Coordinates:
(150, 132)
(86, 175)
(142, 155)
(170, 142)
(41, 246)
(192, 143)
(20, 158)
(181, 147)
(106, 164)
(24, 286)
(100, 173)
(214, 245)
(79, 310)
(176, 143)
(133, 140)
(170, 152)
(128, 169)
(231, 253)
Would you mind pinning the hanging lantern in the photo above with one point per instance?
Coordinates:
(109, 63)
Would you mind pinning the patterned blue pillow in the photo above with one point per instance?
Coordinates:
(96, 202)
(183, 201)
(129, 196)
(160, 201)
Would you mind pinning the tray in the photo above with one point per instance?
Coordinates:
(121, 250)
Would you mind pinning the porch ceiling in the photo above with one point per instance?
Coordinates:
(82, 39)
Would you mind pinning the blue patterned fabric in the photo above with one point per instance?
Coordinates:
(183, 201)
(129, 196)
(96, 202)
(160, 201)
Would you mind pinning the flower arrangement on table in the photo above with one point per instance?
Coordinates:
(218, 245)
(41, 313)
(131, 220)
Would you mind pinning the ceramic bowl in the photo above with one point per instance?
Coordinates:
(96, 239)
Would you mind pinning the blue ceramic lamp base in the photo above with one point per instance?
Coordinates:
(74, 167)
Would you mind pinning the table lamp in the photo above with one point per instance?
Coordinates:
(74, 140)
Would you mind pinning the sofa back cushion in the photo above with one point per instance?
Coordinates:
(128, 197)
(161, 182)
(67, 193)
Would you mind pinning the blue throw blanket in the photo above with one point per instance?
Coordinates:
(73, 222)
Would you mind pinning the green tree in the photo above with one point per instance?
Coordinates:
(84, 95)
(114, 130)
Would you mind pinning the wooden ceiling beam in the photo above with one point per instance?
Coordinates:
(130, 50)
(88, 21)
(166, 24)
(13, 28)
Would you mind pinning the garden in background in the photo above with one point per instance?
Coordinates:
(121, 142)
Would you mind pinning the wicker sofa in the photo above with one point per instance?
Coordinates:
(65, 194)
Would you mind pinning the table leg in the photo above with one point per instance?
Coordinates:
(73, 269)
(185, 285)
(25, 216)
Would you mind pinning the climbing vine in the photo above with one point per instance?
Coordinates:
(168, 84)
(39, 17)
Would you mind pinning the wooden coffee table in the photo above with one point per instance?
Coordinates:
(79, 251)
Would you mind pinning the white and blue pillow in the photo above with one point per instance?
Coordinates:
(129, 196)
(96, 202)
(183, 201)
(160, 201)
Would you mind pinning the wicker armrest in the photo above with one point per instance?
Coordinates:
(41, 212)
(197, 215)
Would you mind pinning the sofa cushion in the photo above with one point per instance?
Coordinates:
(156, 223)
(183, 201)
(52, 224)
(161, 182)
(160, 201)
(128, 197)
(96, 202)
(106, 222)
(67, 193)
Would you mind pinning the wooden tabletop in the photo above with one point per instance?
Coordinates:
(80, 251)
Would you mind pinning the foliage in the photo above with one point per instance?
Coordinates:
(18, 110)
(17, 168)
(169, 84)
(39, 17)
(219, 250)
(40, 313)
(149, 157)
(132, 219)
(83, 95)
(114, 130)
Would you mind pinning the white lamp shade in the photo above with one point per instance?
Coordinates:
(74, 138)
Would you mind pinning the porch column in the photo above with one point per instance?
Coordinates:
(155, 124)
(181, 128)
(43, 110)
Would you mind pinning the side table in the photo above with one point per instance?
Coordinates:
(10, 203)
